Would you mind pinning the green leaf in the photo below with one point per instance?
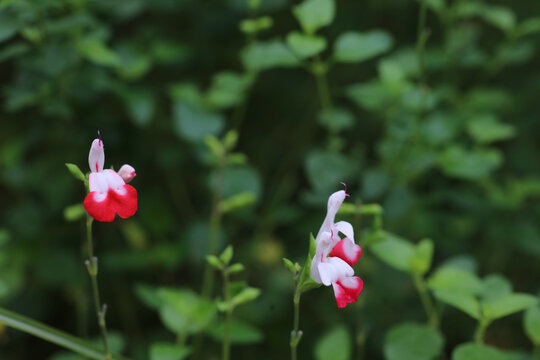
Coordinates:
(149, 295)
(76, 172)
(214, 262)
(475, 164)
(253, 26)
(228, 89)
(8, 25)
(336, 119)
(306, 282)
(487, 128)
(351, 47)
(97, 52)
(304, 45)
(74, 212)
(462, 301)
(52, 335)
(183, 311)
(314, 14)
(395, 251)
(509, 304)
(226, 255)
(423, 254)
(336, 344)
(529, 26)
(499, 16)
(166, 351)
(456, 280)
(473, 351)
(531, 323)
(289, 265)
(409, 341)
(325, 169)
(194, 123)
(267, 55)
(245, 296)
(240, 333)
(372, 96)
(235, 268)
(494, 287)
(237, 201)
(140, 104)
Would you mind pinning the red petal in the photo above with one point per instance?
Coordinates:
(124, 205)
(99, 210)
(347, 290)
(347, 251)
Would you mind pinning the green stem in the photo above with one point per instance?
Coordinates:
(420, 284)
(52, 335)
(296, 334)
(228, 318)
(481, 330)
(92, 266)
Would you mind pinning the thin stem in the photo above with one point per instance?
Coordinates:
(296, 334)
(228, 317)
(481, 330)
(420, 284)
(92, 266)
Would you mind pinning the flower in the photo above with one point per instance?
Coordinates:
(334, 257)
(109, 194)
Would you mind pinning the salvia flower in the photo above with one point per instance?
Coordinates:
(335, 256)
(109, 194)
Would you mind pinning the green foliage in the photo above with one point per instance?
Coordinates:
(471, 351)
(305, 281)
(267, 55)
(315, 14)
(76, 172)
(165, 351)
(352, 47)
(335, 345)
(304, 45)
(241, 333)
(531, 323)
(412, 341)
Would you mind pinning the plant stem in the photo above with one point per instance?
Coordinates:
(480, 331)
(228, 317)
(431, 313)
(296, 334)
(92, 266)
(215, 228)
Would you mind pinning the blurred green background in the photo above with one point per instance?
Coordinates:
(450, 152)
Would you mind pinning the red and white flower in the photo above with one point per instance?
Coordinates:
(335, 256)
(109, 194)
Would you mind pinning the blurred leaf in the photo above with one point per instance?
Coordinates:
(422, 257)
(455, 280)
(495, 286)
(487, 128)
(371, 96)
(374, 183)
(436, 5)
(314, 14)
(267, 55)
(508, 304)
(515, 53)
(458, 162)
(236, 268)
(499, 16)
(353, 47)
(214, 262)
(289, 265)
(460, 300)
(304, 45)
(253, 26)
(184, 312)
(140, 104)
(531, 323)
(241, 332)
(193, 123)
(409, 341)
(327, 169)
(473, 351)
(76, 172)
(238, 201)
(247, 295)
(74, 212)
(228, 89)
(166, 351)
(336, 119)
(394, 251)
(226, 255)
(8, 25)
(528, 26)
(336, 344)
(13, 50)
(149, 295)
(97, 52)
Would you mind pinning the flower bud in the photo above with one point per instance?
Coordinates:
(127, 172)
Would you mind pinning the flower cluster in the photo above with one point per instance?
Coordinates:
(109, 194)
(335, 256)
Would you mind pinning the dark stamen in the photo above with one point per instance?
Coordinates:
(99, 137)
(345, 185)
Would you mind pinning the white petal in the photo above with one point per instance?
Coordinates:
(334, 203)
(97, 182)
(127, 172)
(96, 157)
(346, 229)
(114, 181)
(328, 273)
(341, 267)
